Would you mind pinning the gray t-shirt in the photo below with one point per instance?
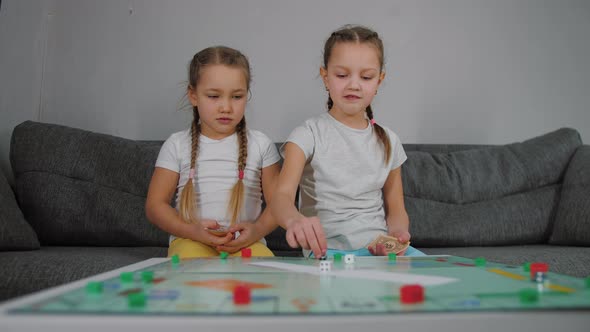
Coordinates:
(343, 178)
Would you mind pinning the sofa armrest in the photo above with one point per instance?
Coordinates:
(572, 220)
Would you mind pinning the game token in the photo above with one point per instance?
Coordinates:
(246, 253)
(223, 255)
(526, 267)
(94, 288)
(126, 277)
(136, 300)
(337, 257)
(392, 257)
(147, 276)
(242, 295)
(528, 295)
(480, 261)
(175, 260)
(587, 280)
(538, 267)
(411, 294)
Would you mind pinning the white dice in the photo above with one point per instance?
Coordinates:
(349, 258)
(325, 266)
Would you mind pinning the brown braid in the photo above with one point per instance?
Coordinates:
(383, 138)
(232, 58)
(237, 193)
(359, 34)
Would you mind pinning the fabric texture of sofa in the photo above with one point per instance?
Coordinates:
(77, 206)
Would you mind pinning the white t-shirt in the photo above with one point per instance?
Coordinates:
(216, 172)
(343, 178)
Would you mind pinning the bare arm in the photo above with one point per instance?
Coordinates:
(301, 231)
(160, 213)
(398, 222)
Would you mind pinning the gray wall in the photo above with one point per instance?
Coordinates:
(458, 71)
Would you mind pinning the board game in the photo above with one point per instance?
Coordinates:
(297, 286)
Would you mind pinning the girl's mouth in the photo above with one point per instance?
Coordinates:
(224, 120)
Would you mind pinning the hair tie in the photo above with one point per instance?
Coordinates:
(191, 174)
(241, 174)
(373, 122)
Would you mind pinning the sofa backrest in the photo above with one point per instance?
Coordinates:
(77, 187)
(491, 195)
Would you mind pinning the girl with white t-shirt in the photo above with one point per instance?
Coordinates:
(348, 167)
(217, 170)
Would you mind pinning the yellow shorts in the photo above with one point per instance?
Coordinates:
(186, 248)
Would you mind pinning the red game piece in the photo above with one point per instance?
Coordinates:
(538, 267)
(246, 252)
(242, 295)
(411, 294)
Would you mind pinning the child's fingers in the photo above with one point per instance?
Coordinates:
(320, 236)
(291, 240)
(207, 223)
(312, 240)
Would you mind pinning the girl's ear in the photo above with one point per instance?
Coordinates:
(324, 75)
(381, 77)
(192, 96)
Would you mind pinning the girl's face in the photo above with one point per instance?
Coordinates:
(352, 78)
(220, 96)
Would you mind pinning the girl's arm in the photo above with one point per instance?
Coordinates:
(397, 219)
(253, 232)
(160, 213)
(301, 231)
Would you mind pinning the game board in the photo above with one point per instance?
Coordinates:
(295, 286)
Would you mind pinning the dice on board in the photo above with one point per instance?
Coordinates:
(349, 258)
(325, 266)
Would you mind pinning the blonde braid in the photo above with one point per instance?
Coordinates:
(187, 206)
(237, 193)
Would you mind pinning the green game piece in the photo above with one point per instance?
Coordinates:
(127, 277)
(392, 257)
(528, 295)
(223, 255)
(527, 267)
(136, 300)
(147, 276)
(94, 288)
(337, 257)
(480, 261)
(587, 280)
(175, 260)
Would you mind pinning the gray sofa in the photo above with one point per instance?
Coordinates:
(77, 206)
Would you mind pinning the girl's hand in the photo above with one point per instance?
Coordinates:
(307, 233)
(248, 235)
(403, 236)
(202, 235)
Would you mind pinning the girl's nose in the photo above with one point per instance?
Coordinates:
(354, 84)
(225, 106)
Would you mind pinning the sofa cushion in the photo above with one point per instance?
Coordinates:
(32, 271)
(76, 187)
(572, 222)
(15, 232)
(498, 195)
